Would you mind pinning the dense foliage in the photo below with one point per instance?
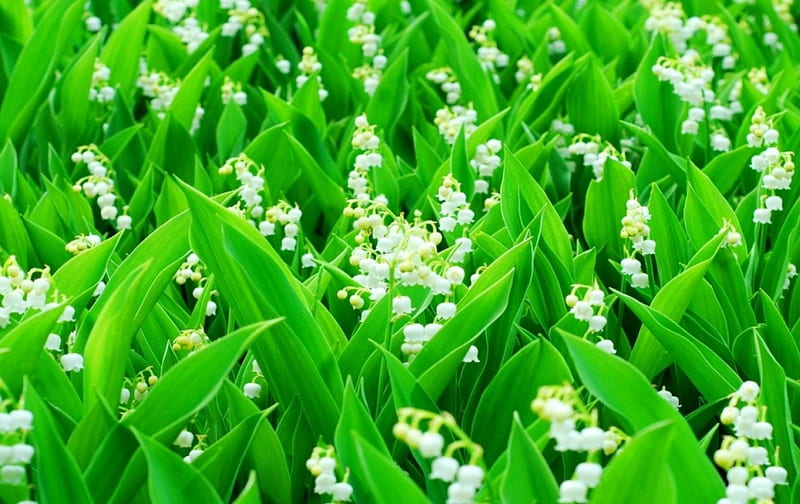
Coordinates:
(379, 251)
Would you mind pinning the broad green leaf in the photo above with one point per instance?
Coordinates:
(436, 364)
(519, 185)
(121, 52)
(706, 212)
(590, 102)
(382, 479)
(191, 383)
(260, 286)
(527, 478)
(605, 206)
(130, 294)
(641, 473)
(57, 475)
(29, 84)
(475, 82)
(623, 388)
(21, 346)
(537, 364)
(712, 376)
(170, 479)
(655, 100)
(220, 463)
(672, 301)
(265, 454)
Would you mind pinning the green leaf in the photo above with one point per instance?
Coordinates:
(355, 419)
(382, 479)
(475, 82)
(537, 364)
(170, 479)
(29, 84)
(605, 206)
(436, 364)
(590, 102)
(707, 210)
(641, 473)
(220, 463)
(655, 100)
(671, 300)
(519, 185)
(712, 376)
(56, 475)
(191, 383)
(128, 298)
(121, 52)
(265, 454)
(249, 494)
(185, 103)
(527, 478)
(21, 347)
(260, 286)
(623, 388)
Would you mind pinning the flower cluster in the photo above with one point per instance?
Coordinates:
(454, 208)
(82, 243)
(192, 269)
(243, 16)
(485, 162)
(233, 91)
(690, 79)
(526, 73)
(182, 15)
(783, 8)
(367, 144)
(99, 184)
(191, 33)
(309, 65)
(190, 340)
(776, 167)
(450, 120)
(140, 386)
(15, 452)
(100, 90)
(448, 83)
(70, 361)
(23, 291)
(363, 33)
(588, 146)
(668, 19)
(668, 396)
(406, 251)
(575, 428)
(590, 308)
(636, 229)
(92, 22)
(744, 455)
(174, 10)
(161, 90)
(287, 216)
(252, 389)
(465, 479)
(759, 79)
(185, 440)
(393, 253)
(555, 45)
(322, 465)
(489, 55)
